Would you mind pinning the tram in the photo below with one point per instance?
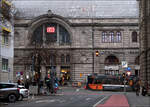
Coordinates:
(108, 82)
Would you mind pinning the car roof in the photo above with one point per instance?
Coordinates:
(8, 83)
(20, 86)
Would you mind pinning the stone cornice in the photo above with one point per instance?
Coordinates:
(103, 24)
(96, 48)
(89, 24)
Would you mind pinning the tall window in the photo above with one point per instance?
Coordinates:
(38, 35)
(5, 37)
(134, 36)
(64, 35)
(104, 36)
(68, 59)
(50, 32)
(4, 64)
(110, 37)
(137, 62)
(118, 37)
(62, 58)
(52, 59)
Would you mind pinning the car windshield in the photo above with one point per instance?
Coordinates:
(7, 86)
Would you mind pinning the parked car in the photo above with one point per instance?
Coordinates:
(9, 91)
(24, 93)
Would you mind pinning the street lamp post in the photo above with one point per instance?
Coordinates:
(92, 48)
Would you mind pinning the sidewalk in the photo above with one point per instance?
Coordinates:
(137, 101)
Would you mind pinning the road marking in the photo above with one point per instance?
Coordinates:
(59, 94)
(45, 101)
(88, 98)
(77, 90)
(100, 101)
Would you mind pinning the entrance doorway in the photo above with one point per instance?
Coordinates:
(136, 72)
(50, 68)
(65, 73)
(111, 65)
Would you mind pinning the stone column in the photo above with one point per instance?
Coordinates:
(43, 72)
(58, 71)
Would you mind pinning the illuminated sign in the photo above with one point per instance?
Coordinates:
(50, 29)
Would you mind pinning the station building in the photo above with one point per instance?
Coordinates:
(76, 38)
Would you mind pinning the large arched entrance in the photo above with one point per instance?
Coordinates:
(111, 65)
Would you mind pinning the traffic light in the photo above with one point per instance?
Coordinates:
(97, 53)
(123, 75)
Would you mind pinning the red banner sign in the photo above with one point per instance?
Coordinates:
(50, 29)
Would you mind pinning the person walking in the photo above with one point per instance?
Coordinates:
(145, 88)
(137, 87)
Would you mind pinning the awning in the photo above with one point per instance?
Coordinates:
(6, 29)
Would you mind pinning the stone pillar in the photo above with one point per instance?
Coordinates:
(58, 71)
(43, 72)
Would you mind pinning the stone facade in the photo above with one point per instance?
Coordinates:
(82, 45)
(80, 48)
(144, 37)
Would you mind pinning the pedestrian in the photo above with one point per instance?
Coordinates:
(63, 79)
(47, 82)
(27, 84)
(137, 87)
(19, 82)
(145, 88)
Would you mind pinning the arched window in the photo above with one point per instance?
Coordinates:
(49, 32)
(134, 36)
(118, 37)
(62, 58)
(64, 35)
(111, 60)
(137, 62)
(37, 35)
(111, 37)
(68, 59)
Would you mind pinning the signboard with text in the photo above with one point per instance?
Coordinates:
(124, 64)
(50, 30)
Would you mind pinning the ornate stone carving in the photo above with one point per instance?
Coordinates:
(49, 13)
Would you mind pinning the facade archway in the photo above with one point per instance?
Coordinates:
(111, 65)
(50, 33)
(51, 19)
(46, 35)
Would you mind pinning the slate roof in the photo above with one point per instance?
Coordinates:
(79, 8)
